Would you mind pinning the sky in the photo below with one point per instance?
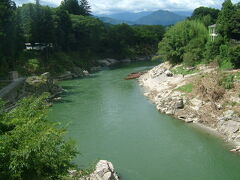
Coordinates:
(114, 6)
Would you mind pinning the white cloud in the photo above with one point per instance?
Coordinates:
(109, 6)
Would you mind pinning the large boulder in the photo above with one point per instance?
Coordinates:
(168, 73)
(66, 76)
(179, 104)
(104, 171)
(108, 62)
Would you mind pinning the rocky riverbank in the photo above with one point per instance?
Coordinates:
(101, 64)
(196, 97)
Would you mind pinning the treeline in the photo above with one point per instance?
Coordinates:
(189, 41)
(78, 38)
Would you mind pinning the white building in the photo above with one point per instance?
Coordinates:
(212, 32)
(38, 46)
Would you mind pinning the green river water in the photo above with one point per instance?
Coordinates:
(109, 118)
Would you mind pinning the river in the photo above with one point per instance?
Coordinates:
(109, 118)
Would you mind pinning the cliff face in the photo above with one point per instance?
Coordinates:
(196, 97)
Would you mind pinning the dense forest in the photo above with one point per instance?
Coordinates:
(189, 42)
(72, 35)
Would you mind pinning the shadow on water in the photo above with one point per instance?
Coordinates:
(63, 101)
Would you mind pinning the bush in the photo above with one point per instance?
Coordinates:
(212, 49)
(225, 64)
(226, 81)
(234, 54)
(32, 147)
(32, 66)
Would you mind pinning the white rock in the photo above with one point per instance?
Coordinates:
(168, 73)
(85, 72)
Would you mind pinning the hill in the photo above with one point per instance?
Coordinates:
(160, 17)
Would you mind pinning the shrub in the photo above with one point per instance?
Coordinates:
(226, 81)
(212, 49)
(31, 147)
(225, 64)
(234, 54)
(33, 66)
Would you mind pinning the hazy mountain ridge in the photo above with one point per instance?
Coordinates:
(114, 21)
(160, 17)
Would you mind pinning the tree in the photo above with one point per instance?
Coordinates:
(72, 6)
(236, 23)
(224, 21)
(9, 35)
(207, 15)
(85, 8)
(63, 29)
(184, 42)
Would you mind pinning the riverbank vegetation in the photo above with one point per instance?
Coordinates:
(188, 42)
(69, 35)
(31, 147)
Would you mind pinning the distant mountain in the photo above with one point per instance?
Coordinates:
(184, 13)
(160, 17)
(114, 21)
(126, 16)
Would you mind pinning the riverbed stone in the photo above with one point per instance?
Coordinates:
(179, 103)
(104, 171)
(168, 73)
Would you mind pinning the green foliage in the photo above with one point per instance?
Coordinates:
(234, 55)
(188, 88)
(10, 35)
(184, 42)
(33, 66)
(206, 15)
(226, 81)
(33, 148)
(228, 22)
(77, 37)
(73, 7)
(225, 64)
(237, 76)
(229, 57)
(212, 49)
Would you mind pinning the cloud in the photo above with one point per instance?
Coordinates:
(111, 6)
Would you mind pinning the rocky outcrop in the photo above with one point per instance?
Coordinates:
(108, 62)
(76, 72)
(162, 87)
(39, 84)
(34, 85)
(104, 171)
